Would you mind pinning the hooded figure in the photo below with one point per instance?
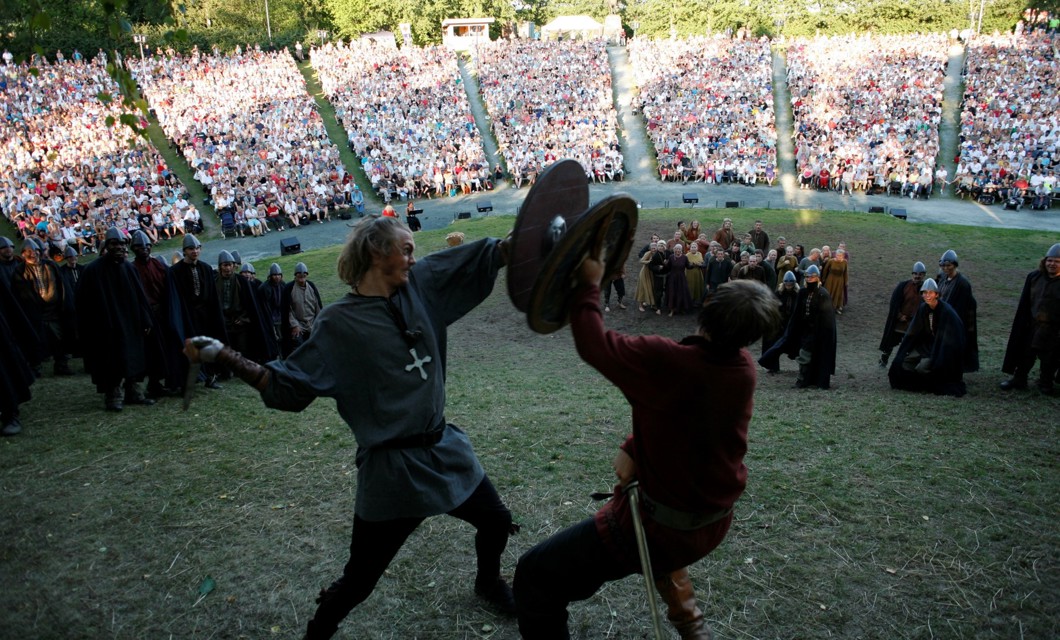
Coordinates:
(810, 337)
(18, 366)
(931, 355)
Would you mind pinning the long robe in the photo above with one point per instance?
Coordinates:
(165, 359)
(388, 384)
(678, 297)
(1036, 325)
(645, 294)
(958, 294)
(114, 317)
(696, 269)
(814, 331)
(834, 276)
(944, 346)
(15, 329)
(894, 329)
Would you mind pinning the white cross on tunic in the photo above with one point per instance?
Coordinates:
(417, 363)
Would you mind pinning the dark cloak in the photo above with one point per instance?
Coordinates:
(945, 348)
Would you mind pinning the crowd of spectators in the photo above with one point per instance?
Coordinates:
(708, 107)
(66, 176)
(549, 101)
(1010, 120)
(407, 117)
(251, 134)
(867, 110)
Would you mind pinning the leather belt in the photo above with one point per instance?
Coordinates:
(424, 440)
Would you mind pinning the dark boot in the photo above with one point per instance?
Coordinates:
(211, 383)
(680, 598)
(332, 609)
(884, 357)
(497, 593)
(1017, 381)
(133, 395)
(112, 400)
(12, 427)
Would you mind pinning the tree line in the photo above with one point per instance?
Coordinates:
(45, 26)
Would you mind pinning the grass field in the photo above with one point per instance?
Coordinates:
(869, 513)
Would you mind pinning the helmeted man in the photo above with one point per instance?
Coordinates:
(787, 295)
(810, 337)
(955, 289)
(164, 359)
(43, 295)
(113, 311)
(905, 300)
(196, 286)
(931, 355)
(242, 313)
(8, 260)
(247, 271)
(1036, 328)
(71, 273)
(300, 306)
(271, 295)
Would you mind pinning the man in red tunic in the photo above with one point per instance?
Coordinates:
(689, 474)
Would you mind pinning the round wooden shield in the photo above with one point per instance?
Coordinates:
(559, 196)
(606, 230)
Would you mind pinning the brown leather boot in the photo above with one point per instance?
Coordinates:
(680, 598)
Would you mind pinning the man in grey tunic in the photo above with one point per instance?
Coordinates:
(411, 463)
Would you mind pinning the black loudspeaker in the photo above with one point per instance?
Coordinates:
(690, 198)
(290, 246)
(877, 210)
(463, 215)
(732, 204)
(898, 213)
(414, 223)
(485, 206)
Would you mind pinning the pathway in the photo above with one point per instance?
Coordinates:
(637, 151)
(952, 94)
(785, 123)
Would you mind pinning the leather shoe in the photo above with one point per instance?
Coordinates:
(138, 398)
(12, 428)
(211, 383)
(1014, 383)
(497, 593)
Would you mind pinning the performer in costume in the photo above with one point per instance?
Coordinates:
(18, 366)
(44, 297)
(270, 293)
(411, 463)
(955, 289)
(905, 300)
(301, 304)
(242, 313)
(196, 286)
(164, 343)
(810, 338)
(1036, 328)
(931, 356)
(113, 310)
(689, 475)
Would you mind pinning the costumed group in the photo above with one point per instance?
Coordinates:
(149, 320)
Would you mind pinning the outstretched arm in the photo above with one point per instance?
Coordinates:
(205, 349)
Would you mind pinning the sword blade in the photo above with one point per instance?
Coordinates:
(189, 383)
(633, 491)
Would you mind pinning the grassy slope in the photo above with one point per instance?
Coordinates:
(868, 514)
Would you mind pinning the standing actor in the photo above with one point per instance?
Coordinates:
(411, 463)
(689, 475)
(905, 300)
(810, 338)
(197, 288)
(301, 305)
(1036, 328)
(955, 289)
(113, 310)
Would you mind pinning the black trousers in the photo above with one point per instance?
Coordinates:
(373, 546)
(619, 285)
(571, 565)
